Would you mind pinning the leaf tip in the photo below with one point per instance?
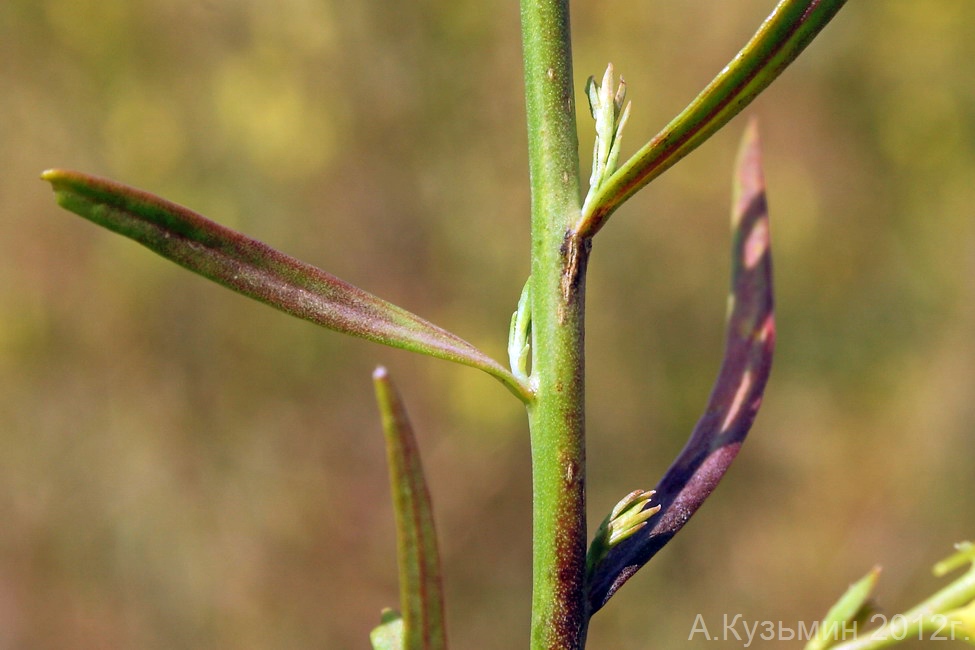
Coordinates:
(749, 176)
(56, 177)
(750, 148)
(751, 128)
(965, 552)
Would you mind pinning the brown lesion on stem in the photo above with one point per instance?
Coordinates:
(571, 550)
(575, 259)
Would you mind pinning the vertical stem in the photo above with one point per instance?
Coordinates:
(557, 415)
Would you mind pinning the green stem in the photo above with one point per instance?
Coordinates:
(556, 416)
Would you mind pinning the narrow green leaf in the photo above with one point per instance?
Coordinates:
(964, 554)
(792, 25)
(421, 590)
(848, 608)
(948, 614)
(388, 635)
(260, 272)
(737, 392)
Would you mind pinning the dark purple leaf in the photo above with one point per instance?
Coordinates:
(736, 395)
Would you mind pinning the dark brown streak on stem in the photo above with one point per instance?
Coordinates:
(575, 259)
(570, 548)
(569, 616)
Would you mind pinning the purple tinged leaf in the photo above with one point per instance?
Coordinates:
(421, 589)
(737, 393)
(258, 271)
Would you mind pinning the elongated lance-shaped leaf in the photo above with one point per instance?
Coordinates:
(850, 607)
(260, 272)
(948, 614)
(737, 393)
(791, 26)
(421, 590)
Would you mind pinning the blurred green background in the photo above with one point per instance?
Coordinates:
(182, 468)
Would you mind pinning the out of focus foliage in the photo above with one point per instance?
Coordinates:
(180, 467)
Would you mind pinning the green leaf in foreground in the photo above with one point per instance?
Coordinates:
(792, 25)
(258, 271)
(947, 615)
(848, 608)
(421, 590)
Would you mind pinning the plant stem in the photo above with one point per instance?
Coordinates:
(557, 414)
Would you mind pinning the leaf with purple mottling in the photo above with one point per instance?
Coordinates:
(737, 393)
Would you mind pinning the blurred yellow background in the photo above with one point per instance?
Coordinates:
(183, 468)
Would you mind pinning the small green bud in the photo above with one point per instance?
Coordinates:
(610, 112)
(519, 335)
(629, 515)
